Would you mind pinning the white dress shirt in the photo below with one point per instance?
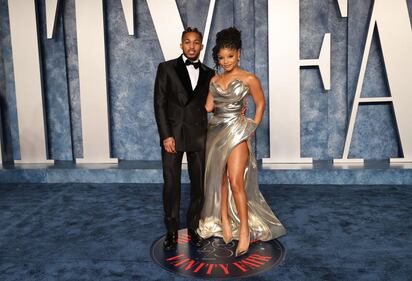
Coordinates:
(193, 72)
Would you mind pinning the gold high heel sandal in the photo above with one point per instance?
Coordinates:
(238, 252)
(227, 240)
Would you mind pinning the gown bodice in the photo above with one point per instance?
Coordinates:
(228, 103)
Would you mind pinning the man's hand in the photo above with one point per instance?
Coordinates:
(170, 145)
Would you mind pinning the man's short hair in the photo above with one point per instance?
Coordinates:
(192, 29)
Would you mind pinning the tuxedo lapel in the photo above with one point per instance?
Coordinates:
(183, 74)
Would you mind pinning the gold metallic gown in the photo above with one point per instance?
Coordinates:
(227, 128)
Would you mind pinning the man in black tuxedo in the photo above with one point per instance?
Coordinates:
(180, 94)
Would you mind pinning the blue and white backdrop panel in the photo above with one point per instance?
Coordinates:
(76, 77)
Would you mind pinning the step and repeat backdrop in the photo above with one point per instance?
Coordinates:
(76, 77)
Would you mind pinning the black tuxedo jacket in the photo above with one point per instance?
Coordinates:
(179, 110)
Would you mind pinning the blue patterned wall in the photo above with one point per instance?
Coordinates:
(132, 63)
(7, 96)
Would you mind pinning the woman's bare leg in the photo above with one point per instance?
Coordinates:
(236, 166)
(224, 212)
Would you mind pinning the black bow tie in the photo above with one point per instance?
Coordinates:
(195, 64)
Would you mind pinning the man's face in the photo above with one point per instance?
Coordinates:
(191, 45)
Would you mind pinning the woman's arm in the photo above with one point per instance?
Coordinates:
(256, 92)
(210, 105)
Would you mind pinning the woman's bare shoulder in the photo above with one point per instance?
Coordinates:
(214, 78)
(249, 78)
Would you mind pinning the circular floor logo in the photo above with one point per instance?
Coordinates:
(215, 259)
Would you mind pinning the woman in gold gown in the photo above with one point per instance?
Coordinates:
(234, 208)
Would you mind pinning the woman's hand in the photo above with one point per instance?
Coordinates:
(254, 131)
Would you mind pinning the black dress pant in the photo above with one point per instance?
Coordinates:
(172, 167)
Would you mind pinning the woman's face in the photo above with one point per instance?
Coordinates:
(228, 58)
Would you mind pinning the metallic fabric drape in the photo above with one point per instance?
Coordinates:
(227, 128)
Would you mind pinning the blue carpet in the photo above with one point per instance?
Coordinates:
(104, 232)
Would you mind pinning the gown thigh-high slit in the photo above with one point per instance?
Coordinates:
(227, 129)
